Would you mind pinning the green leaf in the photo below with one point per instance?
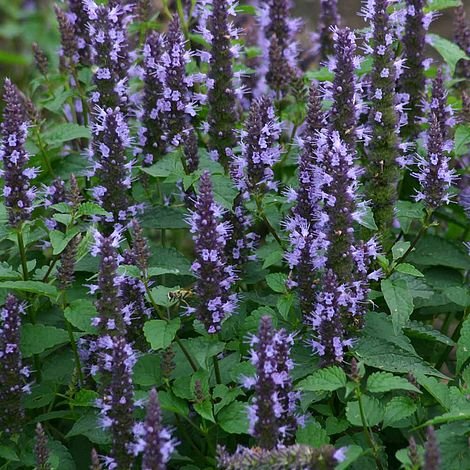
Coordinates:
(366, 218)
(160, 333)
(436, 389)
(204, 409)
(80, 313)
(60, 240)
(399, 301)
(436, 5)
(170, 402)
(449, 51)
(328, 379)
(277, 282)
(382, 382)
(90, 208)
(65, 132)
(8, 453)
(419, 330)
(169, 164)
(35, 287)
(7, 272)
(147, 371)
(397, 409)
(463, 344)
(88, 426)
(164, 217)
(234, 418)
(407, 212)
(284, 304)
(460, 295)
(274, 257)
(227, 395)
(373, 411)
(461, 139)
(399, 249)
(35, 339)
(312, 434)
(406, 268)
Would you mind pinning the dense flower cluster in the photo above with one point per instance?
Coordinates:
(329, 18)
(17, 190)
(273, 418)
(12, 371)
(215, 276)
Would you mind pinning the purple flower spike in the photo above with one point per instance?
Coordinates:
(272, 415)
(17, 190)
(68, 51)
(214, 276)
(432, 454)
(157, 443)
(462, 38)
(329, 17)
(109, 53)
(221, 95)
(117, 402)
(412, 80)
(110, 142)
(109, 305)
(78, 17)
(253, 170)
(12, 371)
(41, 451)
(434, 174)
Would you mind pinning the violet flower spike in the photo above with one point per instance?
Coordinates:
(79, 19)
(432, 454)
(462, 39)
(329, 17)
(221, 95)
(412, 80)
(157, 443)
(215, 277)
(434, 174)
(12, 371)
(68, 52)
(18, 192)
(272, 414)
(253, 170)
(41, 451)
(117, 402)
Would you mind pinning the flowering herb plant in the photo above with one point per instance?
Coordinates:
(229, 242)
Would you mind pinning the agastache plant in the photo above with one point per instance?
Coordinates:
(18, 192)
(12, 371)
(221, 96)
(252, 171)
(41, 451)
(215, 277)
(434, 173)
(154, 440)
(68, 52)
(272, 415)
(432, 453)
(111, 139)
(382, 168)
(329, 17)
(117, 403)
(78, 17)
(109, 53)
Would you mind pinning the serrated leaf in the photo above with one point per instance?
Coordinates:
(461, 139)
(437, 5)
(60, 240)
(436, 389)
(277, 282)
(65, 132)
(328, 379)
(449, 51)
(382, 382)
(284, 304)
(88, 426)
(80, 313)
(312, 434)
(460, 295)
(35, 287)
(399, 249)
(90, 209)
(204, 409)
(8, 453)
(164, 217)
(399, 301)
(463, 344)
(169, 164)
(170, 402)
(234, 418)
(406, 268)
(398, 408)
(366, 218)
(274, 257)
(35, 339)
(373, 411)
(160, 333)
(416, 329)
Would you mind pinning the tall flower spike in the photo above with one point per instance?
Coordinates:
(40, 59)
(328, 17)
(68, 51)
(272, 415)
(382, 169)
(109, 53)
(66, 270)
(253, 170)
(117, 402)
(214, 276)
(221, 95)
(17, 190)
(412, 80)
(152, 129)
(79, 19)
(12, 371)
(432, 454)
(109, 306)
(462, 38)
(110, 141)
(344, 112)
(95, 461)
(41, 452)
(156, 440)
(434, 174)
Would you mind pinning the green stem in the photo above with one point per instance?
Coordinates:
(73, 344)
(218, 378)
(271, 229)
(43, 152)
(21, 248)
